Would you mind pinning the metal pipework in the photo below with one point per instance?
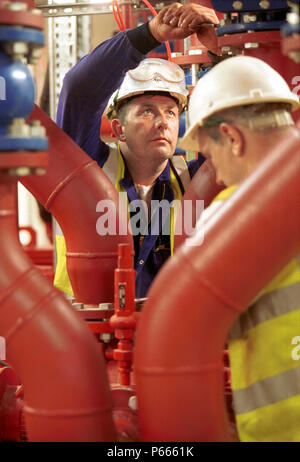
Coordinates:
(45, 338)
(255, 28)
(71, 189)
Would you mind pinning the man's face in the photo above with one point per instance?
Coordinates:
(151, 127)
(219, 152)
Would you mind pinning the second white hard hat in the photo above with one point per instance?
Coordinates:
(234, 82)
(152, 74)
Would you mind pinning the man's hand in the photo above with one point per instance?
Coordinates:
(178, 21)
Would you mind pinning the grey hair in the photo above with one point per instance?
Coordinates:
(244, 115)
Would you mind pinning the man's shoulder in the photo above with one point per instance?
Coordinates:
(195, 164)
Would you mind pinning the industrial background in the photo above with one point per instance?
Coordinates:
(66, 364)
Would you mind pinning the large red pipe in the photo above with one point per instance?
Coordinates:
(199, 294)
(203, 187)
(71, 190)
(67, 397)
(271, 53)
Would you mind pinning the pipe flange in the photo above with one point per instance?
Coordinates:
(232, 6)
(23, 163)
(238, 41)
(22, 43)
(251, 26)
(21, 34)
(10, 143)
(25, 171)
(18, 14)
(19, 136)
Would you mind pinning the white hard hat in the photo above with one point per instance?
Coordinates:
(234, 82)
(152, 74)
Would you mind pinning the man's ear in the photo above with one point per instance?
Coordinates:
(234, 136)
(118, 129)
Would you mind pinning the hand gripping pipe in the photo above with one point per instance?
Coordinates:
(199, 294)
(67, 397)
(203, 187)
(71, 189)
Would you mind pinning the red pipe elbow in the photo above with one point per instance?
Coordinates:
(70, 190)
(201, 291)
(67, 397)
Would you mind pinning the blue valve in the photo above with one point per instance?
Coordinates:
(17, 90)
(17, 95)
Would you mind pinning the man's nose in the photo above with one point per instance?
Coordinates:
(161, 121)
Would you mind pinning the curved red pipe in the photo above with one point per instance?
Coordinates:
(67, 397)
(202, 187)
(71, 189)
(179, 377)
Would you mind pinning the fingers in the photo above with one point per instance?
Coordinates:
(160, 30)
(170, 16)
(208, 38)
(188, 16)
(178, 21)
(168, 12)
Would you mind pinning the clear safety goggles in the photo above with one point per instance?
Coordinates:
(166, 71)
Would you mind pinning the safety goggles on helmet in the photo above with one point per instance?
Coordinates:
(151, 69)
(152, 75)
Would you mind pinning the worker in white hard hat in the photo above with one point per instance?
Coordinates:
(238, 111)
(144, 112)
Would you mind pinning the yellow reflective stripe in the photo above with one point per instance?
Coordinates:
(268, 391)
(268, 306)
(279, 422)
(264, 372)
(110, 168)
(120, 174)
(225, 193)
(265, 351)
(61, 278)
(174, 208)
(182, 170)
(121, 171)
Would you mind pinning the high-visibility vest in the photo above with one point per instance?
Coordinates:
(264, 363)
(114, 168)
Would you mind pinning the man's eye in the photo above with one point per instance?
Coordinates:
(172, 113)
(147, 111)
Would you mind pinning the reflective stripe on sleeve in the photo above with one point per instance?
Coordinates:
(268, 306)
(268, 391)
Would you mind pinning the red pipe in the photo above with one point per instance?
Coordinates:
(271, 54)
(128, 15)
(179, 376)
(67, 397)
(70, 190)
(202, 187)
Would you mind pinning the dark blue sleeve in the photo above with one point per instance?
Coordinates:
(194, 164)
(88, 86)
